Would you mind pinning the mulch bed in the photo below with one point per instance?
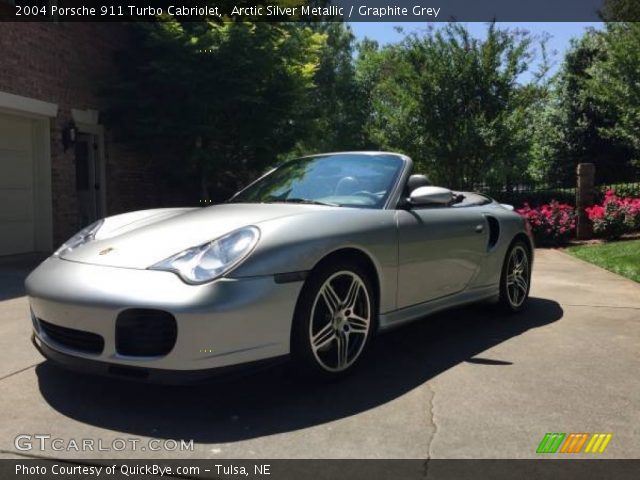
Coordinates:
(598, 241)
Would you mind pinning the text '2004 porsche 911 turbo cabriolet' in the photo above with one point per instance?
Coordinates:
(309, 261)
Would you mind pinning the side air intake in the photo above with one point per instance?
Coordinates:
(494, 231)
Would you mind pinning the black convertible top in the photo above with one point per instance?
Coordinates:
(470, 199)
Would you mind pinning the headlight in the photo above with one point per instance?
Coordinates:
(205, 262)
(83, 236)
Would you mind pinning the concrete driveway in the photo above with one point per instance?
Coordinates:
(464, 384)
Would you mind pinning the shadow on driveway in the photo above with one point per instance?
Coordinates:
(272, 402)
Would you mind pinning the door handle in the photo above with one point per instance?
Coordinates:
(479, 228)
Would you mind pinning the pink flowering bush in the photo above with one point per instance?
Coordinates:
(551, 223)
(615, 216)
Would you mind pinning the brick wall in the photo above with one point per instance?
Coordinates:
(66, 63)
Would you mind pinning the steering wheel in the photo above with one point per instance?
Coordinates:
(364, 193)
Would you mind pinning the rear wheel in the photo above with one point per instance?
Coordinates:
(515, 280)
(334, 321)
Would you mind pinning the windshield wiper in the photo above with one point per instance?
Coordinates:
(305, 201)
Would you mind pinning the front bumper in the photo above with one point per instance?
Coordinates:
(220, 324)
(151, 375)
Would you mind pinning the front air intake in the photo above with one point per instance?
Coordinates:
(142, 332)
(79, 340)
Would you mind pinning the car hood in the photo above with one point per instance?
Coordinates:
(144, 238)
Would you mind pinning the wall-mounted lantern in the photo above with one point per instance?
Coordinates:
(69, 134)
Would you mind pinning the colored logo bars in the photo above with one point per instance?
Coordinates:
(573, 443)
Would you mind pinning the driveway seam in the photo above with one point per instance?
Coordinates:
(27, 455)
(599, 306)
(432, 418)
(18, 371)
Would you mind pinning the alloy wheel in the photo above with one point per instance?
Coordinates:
(518, 276)
(340, 321)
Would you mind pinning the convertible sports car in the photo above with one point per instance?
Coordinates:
(309, 261)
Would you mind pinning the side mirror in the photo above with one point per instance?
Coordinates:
(431, 196)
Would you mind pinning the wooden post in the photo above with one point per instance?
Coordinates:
(585, 193)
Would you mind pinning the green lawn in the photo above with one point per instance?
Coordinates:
(622, 257)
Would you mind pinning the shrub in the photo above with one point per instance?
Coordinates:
(621, 189)
(535, 198)
(552, 223)
(615, 216)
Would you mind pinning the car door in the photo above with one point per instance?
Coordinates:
(440, 249)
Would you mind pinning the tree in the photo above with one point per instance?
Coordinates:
(334, 108)
(215, 101)
(615, 84)
(620, 11)
(453, 103)
(573, 125)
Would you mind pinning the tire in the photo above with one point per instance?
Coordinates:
(515, 280)
(334, 321)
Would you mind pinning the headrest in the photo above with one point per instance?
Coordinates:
(416, 181)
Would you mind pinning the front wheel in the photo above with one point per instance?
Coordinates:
(515, 280)
(334, 321)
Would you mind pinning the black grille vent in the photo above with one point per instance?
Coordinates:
(145, 333)
(79, 340)
(494, 231)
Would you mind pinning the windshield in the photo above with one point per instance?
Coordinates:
(353, 180)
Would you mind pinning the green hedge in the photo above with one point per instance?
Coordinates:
(537, 197)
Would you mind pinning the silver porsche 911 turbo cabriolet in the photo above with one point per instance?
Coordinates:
(309, 261)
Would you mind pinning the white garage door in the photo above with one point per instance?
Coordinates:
(17, 221)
